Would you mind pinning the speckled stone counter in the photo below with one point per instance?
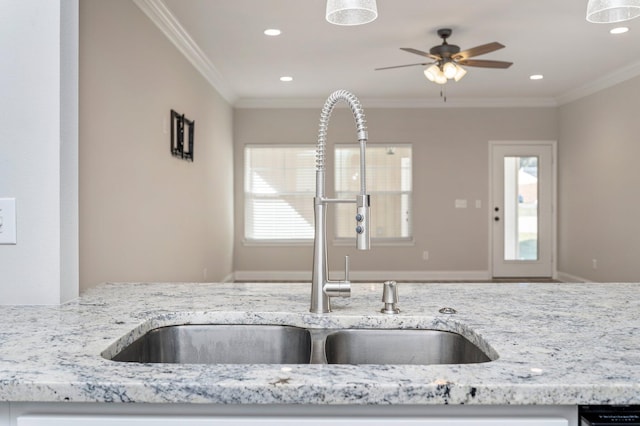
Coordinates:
(556, 344)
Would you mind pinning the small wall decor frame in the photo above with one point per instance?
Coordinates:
(180, 148)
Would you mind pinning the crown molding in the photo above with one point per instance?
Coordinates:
(609, 80)
(403, 103)
(162, 17)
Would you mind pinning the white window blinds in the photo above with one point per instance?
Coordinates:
(279, 186)
(389, 182)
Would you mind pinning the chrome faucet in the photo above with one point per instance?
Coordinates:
(321, 287)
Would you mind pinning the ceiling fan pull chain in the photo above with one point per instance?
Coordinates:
(443, 93)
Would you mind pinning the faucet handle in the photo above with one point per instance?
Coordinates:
(339, 288)
(390, 298)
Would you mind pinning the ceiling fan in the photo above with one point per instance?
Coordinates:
(448, 59)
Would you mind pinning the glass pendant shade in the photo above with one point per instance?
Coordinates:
(351, 12)
(432, 72)
(461, 72)
(441, 78)
(609, 11)
(450, 70)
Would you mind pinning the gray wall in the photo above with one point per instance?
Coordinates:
(146, 216)
(599, 181)
(451, 157)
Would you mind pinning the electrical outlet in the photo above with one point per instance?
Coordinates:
(594, 263)
(425, 255)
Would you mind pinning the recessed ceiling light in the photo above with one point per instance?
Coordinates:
(619, 30)
(536, 77)
(286, 78)
(272, 32)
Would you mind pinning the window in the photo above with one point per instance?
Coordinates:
(279, 186)
(389, 182)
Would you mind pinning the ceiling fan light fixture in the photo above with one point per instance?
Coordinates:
(610, 11)
(461, 72)
(450, 70)
(432, 72)
(351, 12)
(441, 78)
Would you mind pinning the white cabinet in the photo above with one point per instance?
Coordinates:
(96, 414)
(70, 420)
(5, 418)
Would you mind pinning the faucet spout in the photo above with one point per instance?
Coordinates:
(321, 287)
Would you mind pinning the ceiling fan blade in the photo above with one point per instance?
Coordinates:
(402, 66)
(419, 52)
(479, 50)
(484, 63)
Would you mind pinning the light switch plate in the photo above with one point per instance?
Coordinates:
(8, 221)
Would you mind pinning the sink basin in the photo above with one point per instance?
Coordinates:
(282, 344)
(220, 344)
(418, 347)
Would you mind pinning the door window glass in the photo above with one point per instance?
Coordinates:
(521, 208)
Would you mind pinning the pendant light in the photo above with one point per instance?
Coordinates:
(609, 11)
(351, 12)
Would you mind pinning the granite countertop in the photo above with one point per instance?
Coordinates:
(557, 344)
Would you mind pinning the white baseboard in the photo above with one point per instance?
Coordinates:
(240, 276)
(228, 279)
(568, 278)
(417, 276)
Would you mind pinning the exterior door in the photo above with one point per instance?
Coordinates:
(522, 210)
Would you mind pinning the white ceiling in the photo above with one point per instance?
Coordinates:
(549, 37)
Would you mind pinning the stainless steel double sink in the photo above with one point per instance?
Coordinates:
(281, 344)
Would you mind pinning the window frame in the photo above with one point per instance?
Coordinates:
(379, 241)
(337, 241)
